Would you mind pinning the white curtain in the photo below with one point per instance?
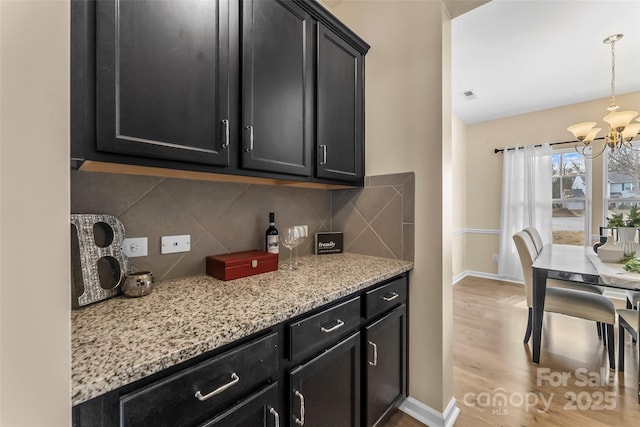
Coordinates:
(526, 202)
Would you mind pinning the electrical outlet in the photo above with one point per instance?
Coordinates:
(494, 257)
(134, 247)
(173, 244)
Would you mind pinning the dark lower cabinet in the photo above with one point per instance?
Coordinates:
(259, 410)
(385, 364)
(162, 79)
(353, 374)
(326, 390)
(340, 103)
(277, 87)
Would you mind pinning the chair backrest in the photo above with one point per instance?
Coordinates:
(535, 237)
(527, 251)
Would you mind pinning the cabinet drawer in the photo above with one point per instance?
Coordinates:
(324, 328)
(385, 297)
(207, 388)
(259, 409)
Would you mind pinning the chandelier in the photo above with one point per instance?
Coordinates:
(620, 133)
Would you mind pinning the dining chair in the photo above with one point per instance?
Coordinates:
(594, 289)
(629, 321)
(584, 305)
(633, 298)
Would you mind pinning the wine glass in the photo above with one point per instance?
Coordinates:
(289, 240)
(301, 233)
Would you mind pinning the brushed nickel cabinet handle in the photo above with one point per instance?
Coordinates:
(234, 380)
(391, 298)
(300, 421)
(250, 129)
(276, 417)
(375, 354)
(324, 154)
(333, 328)
(225, 123)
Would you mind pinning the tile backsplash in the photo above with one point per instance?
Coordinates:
(220, 217)
(378, 219)
(228, 217)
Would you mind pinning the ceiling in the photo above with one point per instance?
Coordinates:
(519, 56)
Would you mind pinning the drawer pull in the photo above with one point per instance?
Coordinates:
(250, 129)
(225, 123)
(300, 421)
(276, 417)
(234, 380)
(375, 354)
(390, 298)
(339, 324)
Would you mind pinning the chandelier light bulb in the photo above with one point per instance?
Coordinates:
(580, 130)
(630, 131)
(619, 119)
(592, 135)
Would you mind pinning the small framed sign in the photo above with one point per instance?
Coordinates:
(329, 243)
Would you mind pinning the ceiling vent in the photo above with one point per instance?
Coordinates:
(469, 95)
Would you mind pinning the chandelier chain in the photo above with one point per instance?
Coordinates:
(613, 74)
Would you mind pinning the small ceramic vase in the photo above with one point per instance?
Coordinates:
(610, 252)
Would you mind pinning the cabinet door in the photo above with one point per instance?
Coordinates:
(385, 364)
(162, 79)
(259, 410)
(326, 390)
(340, 126)
(277, 87)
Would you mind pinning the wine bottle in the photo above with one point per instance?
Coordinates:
(271, 236)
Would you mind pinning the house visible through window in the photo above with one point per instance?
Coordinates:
(621, 181)
(571, 181)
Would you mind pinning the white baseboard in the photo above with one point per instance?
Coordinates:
(482, 274)
(429, 416)
(609, 292)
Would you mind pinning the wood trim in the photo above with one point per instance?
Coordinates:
(329, 20)
(476, 231)
(105, 167)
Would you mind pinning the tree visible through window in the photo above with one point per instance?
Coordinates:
(623, 176)
(570, 182)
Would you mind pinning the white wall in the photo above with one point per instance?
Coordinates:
(408, 128)
(35, 361)
(459, 194)
(484, 176)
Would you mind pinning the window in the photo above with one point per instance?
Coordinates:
(571, 190)
(621, 181)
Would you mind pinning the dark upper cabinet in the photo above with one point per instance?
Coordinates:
(277, 87)
(340, 103)
(162, 79)
(264, 88)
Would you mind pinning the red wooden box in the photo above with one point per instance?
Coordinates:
(241, 264)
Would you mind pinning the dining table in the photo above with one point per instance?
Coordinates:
(577, 264)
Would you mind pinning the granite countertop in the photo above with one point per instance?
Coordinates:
(118, 341)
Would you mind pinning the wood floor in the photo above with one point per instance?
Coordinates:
(491, 361)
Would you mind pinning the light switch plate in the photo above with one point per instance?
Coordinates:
(174, 244)
(134, 247)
